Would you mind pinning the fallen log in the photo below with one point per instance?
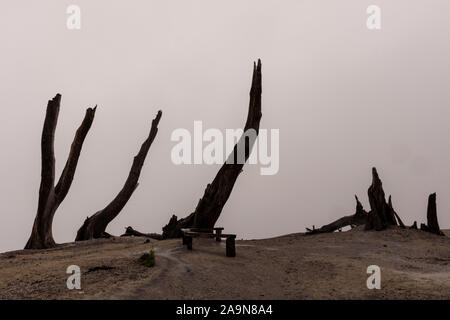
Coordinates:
(129, 232)
(356, 219)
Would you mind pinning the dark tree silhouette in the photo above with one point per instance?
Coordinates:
(217, 193)
(432, 220)
(51, 196)
(95, 226)
(130, 232)
(382, 214)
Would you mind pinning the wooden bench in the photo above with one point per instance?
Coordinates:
(189, 234)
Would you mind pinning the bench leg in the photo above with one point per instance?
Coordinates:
(218, 235)
(231, 249)
(189, 242)
(184, 240)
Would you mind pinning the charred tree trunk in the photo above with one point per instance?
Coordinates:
(217, 193)
(432, 221)
(51, 196)
(95, 226)
(381, 215)
(129, 231)
(357, 219)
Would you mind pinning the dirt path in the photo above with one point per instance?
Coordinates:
(414, 265)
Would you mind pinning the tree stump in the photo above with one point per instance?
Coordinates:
(381, 215)
(432, 220)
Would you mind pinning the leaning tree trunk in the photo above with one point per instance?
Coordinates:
(381, 215)
(51, 196)
(432, 220)
(217, 193)
(94, 227)
(357, 219)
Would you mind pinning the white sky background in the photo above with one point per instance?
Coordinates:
(344, 98)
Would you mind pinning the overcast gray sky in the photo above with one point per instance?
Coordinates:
(344, 98)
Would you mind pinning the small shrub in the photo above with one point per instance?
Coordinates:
(148, 259)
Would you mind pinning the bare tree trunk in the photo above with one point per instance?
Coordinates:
(95, 226)
(50, 196)
(357, 219)
(381, 215)
(432, 220)
(217, 193)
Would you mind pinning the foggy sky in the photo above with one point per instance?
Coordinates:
(343, 97)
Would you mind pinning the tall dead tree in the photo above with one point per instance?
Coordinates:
(94, 227)
(432, 220)
(51, 196)
(217, 193)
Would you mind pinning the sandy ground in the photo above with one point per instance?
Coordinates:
(414, 265)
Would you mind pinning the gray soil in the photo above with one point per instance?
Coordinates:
(414, 265)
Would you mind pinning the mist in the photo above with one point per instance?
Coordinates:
(344, 99)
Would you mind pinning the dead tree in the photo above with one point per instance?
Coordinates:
(432, 221)
(129, 232)
(357, 219)
(51, 196)
(95, 226)
(217, 193)
(381, 215)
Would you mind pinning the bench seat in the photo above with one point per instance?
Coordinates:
(190, 233)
